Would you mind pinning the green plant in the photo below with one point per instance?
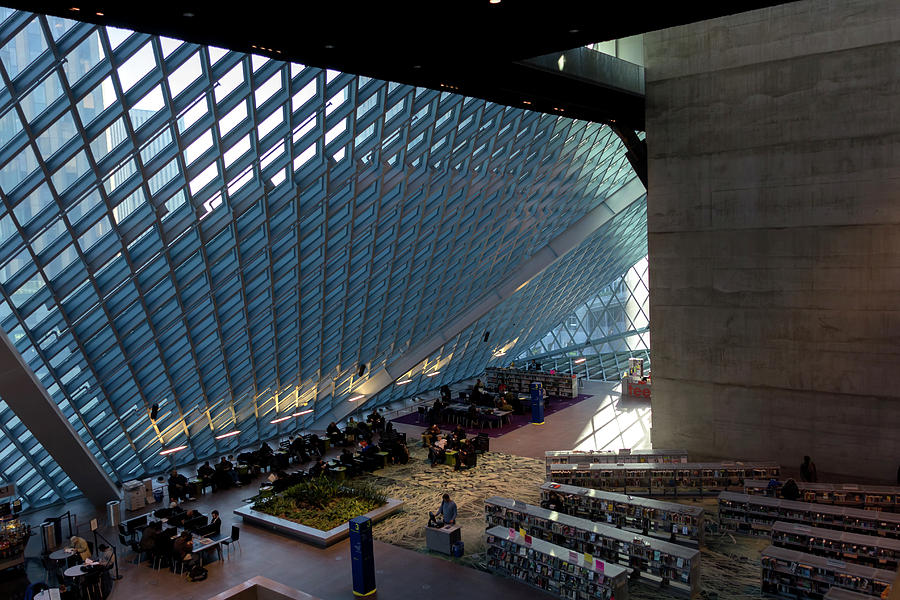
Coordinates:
(322, 503)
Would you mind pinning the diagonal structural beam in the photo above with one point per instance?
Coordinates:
(27, 398)
(541, 260)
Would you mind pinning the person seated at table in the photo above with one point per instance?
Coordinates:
(264, 456)
(149, 536)
(351, 431)
(297, 449)
(178, 518)
(183, 549)
(333, 432)
(367, 449)
(364, 431)
(512, 399)
(178, 486)
(466, 456)
(346, 457)
(459, 433)
(215, 524)
(438, 452)
(376, 420)
(80, 546)
(318, 469)
(315, 445)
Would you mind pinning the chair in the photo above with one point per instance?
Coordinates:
(133, 545)
(234, 538)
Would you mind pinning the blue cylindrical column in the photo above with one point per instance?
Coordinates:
(362, 557)
(537, 403)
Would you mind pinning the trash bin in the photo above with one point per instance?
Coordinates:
(457, 549)
(114, 513)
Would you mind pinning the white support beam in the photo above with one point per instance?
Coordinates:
(27, 398)
(571, 238)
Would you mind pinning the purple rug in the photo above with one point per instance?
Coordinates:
(554, 404)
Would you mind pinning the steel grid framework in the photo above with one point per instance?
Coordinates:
(230, 237)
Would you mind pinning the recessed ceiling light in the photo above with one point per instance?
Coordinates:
(580, 360)
(228, 435)
(404, 381)
(355, 398)
(303, 412)
(433, 374)
(171, 450)
(279, 420)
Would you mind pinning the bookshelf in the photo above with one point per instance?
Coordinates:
(837, 593)
(754, 515)
(876, 497)
(871, 550)
(669, 565)
(651, 517)
(798, 575)
(516, 380)
(661, 479)
(586, 457)
(553, 569)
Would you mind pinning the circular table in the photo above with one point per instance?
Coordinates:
(64, 554)
(45, 595)
(74, 571)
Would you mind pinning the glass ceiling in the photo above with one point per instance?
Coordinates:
(230, 237)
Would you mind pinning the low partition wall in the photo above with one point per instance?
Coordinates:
(307, 534)
(262, 588)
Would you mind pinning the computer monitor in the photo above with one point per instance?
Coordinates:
(195, 523)
(136, 523)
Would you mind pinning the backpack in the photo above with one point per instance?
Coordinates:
(198, 573)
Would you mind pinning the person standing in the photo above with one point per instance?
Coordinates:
(808, 470)
(448, 510)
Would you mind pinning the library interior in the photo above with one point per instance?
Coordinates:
(369, 289)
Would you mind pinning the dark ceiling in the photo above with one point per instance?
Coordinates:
(470, 47)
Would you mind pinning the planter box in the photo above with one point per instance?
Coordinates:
(307, 534)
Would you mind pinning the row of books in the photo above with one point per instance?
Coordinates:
(667, 520)
(877, 497)
(880, 552)
(520, 381)
(755, 515)
(552, 568)
(653, 559)
(660, 479)
(586, 457)
(797, 574)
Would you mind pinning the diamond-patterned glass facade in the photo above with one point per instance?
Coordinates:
(229, 237)
(597, 338)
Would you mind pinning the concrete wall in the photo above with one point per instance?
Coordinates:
(774, 235)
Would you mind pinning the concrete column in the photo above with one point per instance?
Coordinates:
(774, 235)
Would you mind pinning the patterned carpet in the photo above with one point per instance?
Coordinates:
(555, 404)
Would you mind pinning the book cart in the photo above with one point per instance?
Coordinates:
(871, 550)
(651, 517)
(516, 380)
(586, 457)
(754, 515)
(798, 575)
(667, 564)
(682, 479)
(875, 497)
(553, 569)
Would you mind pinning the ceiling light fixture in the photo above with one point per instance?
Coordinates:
(280, 419)
(303, 412)
(580, 360)
(228, 435)
(526, 101)
(75, 9)
(494, 1)
(329, 46)
(355, 398)
(172, 450)
(432, 374)
(99, 14)
(404, 381)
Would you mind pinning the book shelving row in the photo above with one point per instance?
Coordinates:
(754, 515)
(553, 569)
(519, 381)
(586, 457)
(799, 575)
(667, 520)
(661, 479)
(671, 565)
(871, 550)
(837, 593)
(875, 497)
